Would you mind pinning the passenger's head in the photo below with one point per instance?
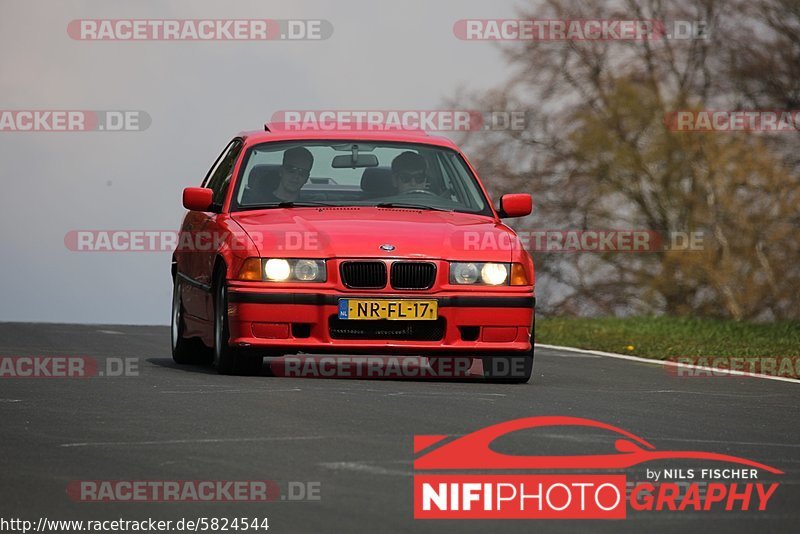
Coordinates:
(297, 163)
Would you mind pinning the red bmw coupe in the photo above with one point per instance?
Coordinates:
(350, 242)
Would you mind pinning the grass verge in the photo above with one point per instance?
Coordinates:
(664, 337)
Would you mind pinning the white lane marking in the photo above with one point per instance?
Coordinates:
(591, 356)
(384, 393)
(114, 332)
(180, 441)
(250, 390)
(476, 397)
(443, 394)
(10, 400)
(668, 363)
(710, 394)
(727, 442)
(176, 386)
(598, 438)
(364, 467)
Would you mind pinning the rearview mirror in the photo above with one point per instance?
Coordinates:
(516, 205)
(197, 198)
(349, 162)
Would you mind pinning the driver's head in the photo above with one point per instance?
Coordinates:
(408, 172)
(296, 168)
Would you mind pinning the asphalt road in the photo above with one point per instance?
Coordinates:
(352, 437)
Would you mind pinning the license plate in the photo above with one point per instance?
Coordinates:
(393, 310)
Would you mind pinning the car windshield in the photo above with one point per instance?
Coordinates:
(357, 173)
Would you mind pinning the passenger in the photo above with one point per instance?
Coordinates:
(294, 173)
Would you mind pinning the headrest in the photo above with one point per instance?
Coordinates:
(261, 182)
(264, 175)
(377, 181)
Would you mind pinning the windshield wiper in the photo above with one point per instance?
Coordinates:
(303, 204)
(285, 205)
(408, 205)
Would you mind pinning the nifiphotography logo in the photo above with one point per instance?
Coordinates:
(465, 478)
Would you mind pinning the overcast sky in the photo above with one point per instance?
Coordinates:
(400, 55)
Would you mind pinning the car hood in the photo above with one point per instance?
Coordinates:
(348, 232)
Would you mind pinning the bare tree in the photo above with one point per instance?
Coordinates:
(596, 153)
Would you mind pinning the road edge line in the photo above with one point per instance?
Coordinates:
(667, 363)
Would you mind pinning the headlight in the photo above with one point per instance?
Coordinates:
(494, 274)
(283, 270)
(465, 273)
(306, 270)
(277, 270)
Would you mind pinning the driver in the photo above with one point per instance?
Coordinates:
(408, 173)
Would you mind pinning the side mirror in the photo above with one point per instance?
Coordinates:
(516, 205)
(197, 198)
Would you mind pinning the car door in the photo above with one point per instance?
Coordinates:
(198, 260)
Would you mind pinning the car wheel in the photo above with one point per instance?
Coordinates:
(228, 360)
(184, 350)
(509, 368)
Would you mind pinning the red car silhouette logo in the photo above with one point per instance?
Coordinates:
(473, 452)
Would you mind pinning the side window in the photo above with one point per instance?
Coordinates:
(469, 196)
(267, 156)
(454, 188)
(220, 176)
(215, 166)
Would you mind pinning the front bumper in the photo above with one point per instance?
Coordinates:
(288, 322)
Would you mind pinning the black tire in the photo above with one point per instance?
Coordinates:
(185, 351)
(509, 368)
(229, 360)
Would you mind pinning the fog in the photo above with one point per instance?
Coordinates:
(198, 95)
